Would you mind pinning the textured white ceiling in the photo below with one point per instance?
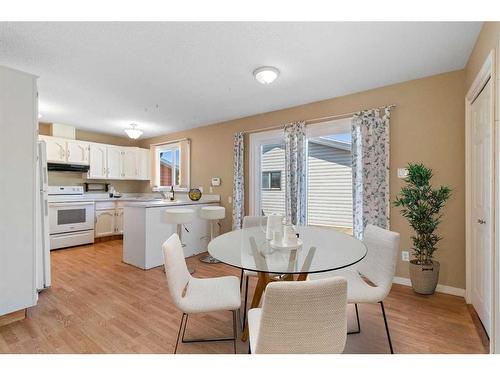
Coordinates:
(172, 76)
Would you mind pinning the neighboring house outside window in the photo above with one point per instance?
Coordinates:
(271, 180)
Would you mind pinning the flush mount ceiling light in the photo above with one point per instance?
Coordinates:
(132, 132)
(266, 74)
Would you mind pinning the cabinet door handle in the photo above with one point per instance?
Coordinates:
(67, 154)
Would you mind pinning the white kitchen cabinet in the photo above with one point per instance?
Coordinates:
(98, 161)
(129, 163)
(77, 152)
(119, 221)
(105, 223)
(143, 166)
(105, 161)
(61, 150)
(114, 162)
(56, 149)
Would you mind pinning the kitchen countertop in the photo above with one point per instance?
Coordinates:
(165, 203)
(135, 200)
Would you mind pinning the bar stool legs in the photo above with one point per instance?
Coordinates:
(210, 259)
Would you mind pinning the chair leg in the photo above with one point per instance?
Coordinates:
(235, 329)
(357, 320)
(241, 279)
(179, 333)
(386, 327)
(204, 340)
(245, 305)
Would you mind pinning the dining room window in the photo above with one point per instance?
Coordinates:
(328, 174)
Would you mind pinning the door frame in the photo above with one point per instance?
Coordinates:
(485, 75)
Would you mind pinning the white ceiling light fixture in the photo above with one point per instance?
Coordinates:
(266, 74)
(132, 132)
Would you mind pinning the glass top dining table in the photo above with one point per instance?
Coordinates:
(322, 250)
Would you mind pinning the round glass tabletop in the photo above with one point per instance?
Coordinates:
(322, 250)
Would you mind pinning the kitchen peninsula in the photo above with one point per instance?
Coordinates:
(145, 229)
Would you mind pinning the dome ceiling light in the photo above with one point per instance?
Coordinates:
(132, 132)
(266, 74)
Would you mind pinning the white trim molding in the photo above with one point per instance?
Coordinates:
(446, 289)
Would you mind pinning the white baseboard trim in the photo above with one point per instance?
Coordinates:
(440, 288)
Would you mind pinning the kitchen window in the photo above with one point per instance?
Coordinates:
(271, 180)
(168, 161)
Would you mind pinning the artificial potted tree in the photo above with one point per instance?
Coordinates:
(421, 204)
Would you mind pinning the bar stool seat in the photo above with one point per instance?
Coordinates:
(213, 214)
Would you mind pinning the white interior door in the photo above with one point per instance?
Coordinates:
(481, 206)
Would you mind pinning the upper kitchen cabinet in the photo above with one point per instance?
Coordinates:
(130, 158)
(60, 150)
(56, 149)
(77, 152)
(114, 162)
(143, 166)
(105, 161)
(118, 163)
(98, 161)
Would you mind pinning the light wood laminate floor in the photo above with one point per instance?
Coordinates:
(98, 304)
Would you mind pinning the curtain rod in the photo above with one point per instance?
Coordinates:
(169, 142)
(316, 120)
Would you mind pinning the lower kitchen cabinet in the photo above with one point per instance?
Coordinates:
(105, 223)
(108, 219)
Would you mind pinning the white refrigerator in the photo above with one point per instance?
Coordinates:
(42, 255)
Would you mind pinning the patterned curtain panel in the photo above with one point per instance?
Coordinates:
(370, 169)
(238, 181)
(295, 169)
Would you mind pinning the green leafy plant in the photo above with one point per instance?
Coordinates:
(421, 205)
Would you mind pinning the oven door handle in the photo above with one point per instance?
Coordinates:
(65, 204)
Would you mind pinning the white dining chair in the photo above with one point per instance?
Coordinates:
(300, 317)
(370, 281)
(250, 222)
(192, 295)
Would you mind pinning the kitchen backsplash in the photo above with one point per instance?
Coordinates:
(73, 178)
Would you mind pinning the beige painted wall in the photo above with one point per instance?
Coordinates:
(486, 41)
(73, 178)
(427, 125)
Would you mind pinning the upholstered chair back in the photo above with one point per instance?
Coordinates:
(303, 317)
(176, 270)
(379, 265)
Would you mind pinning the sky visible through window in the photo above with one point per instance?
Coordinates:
(343, 137)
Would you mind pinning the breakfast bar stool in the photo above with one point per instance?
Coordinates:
(213, 214)
(180, 217)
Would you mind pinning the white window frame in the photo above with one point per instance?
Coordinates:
(162, 148)
(257, 140)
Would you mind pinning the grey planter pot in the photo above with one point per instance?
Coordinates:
(424, 277)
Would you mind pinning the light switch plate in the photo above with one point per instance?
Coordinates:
(402, 172)
(405, 256)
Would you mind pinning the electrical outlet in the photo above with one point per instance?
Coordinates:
(405, 256)
(402, 172)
